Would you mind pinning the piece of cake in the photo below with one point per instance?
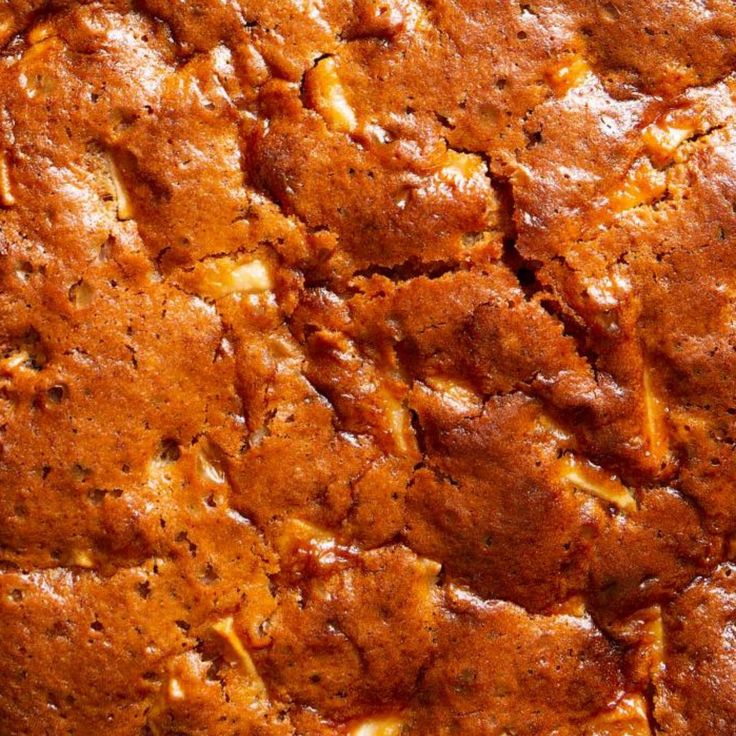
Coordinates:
(367, 367)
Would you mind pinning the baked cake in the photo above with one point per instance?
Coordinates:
(367, 367)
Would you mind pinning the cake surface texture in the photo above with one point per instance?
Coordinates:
(367, 368)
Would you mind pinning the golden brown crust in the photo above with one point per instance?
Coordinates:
(367, 367)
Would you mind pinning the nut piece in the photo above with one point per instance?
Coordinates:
(654, 637)
(430, 570)
(643, 633)
(546, 425)
(642, 186)
(28, 357)
(663, 137)
(14, 361)
(6, 193)
(398, 421)
(585, 476)
(385, 726)
(459, 396)
(654, 422)
(81, 294)
(174, 691)
(628, 718)
(82, 558)
(163, 475)
(326, 95)
(225, 628)
(209, 466)
(296, 535)
(219, 277)
(648, 630)
(124, 205)
(459, 170)
(607, 292)
(567, 73)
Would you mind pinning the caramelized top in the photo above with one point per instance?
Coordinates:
(367, 367)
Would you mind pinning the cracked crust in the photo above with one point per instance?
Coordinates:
(367, 368)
